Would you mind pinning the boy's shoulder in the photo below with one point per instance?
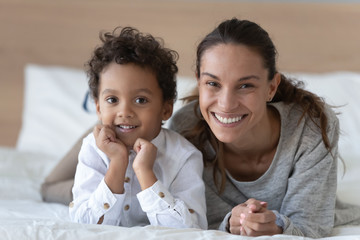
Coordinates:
(89, 139)
(175, 143)
(89, 147)
(174, 151)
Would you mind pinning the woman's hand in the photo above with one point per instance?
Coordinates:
(144, 162)
(252, 218)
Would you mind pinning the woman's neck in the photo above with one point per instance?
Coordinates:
(250, 159)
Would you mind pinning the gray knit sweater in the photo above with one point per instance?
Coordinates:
(300, 184)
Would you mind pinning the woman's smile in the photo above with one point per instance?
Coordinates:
(229, 119)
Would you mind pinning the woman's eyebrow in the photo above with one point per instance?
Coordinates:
(249, 77)
(210, 75)
(240, 79)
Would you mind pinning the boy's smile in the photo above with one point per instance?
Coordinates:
(131, 102)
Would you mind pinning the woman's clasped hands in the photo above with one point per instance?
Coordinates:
(252, 218)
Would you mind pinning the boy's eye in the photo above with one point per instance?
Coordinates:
(111, 100)
(141, 100)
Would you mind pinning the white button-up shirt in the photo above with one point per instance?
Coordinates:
(177, 199)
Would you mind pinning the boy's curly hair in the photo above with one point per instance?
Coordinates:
(131, 46)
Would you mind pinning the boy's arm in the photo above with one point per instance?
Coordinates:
(93, 199)
(144, 163)
(117, 152)
(183, 206)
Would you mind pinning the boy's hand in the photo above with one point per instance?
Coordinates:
(144, 162)
(252, 218)
(107, 142)
(117, 152)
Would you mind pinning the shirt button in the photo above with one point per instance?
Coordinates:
(161, 194)
(71, 204)
(106, 206)
(126, 207)
(127, 179)
(191, 210)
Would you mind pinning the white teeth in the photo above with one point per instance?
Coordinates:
(126, 126)
(227, 120)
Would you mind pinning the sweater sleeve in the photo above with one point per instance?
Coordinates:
(308, 207)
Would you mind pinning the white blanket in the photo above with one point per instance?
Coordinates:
(54, 119)
(23, 215)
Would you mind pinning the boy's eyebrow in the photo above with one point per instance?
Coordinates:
(240, 79)
(108, 90)
(145, 90)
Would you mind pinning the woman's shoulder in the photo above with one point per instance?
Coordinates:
(296, 127)
(185, 118)
(292, 113)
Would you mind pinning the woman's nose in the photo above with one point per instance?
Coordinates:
(227, 100)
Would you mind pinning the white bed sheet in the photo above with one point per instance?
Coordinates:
(23, 215)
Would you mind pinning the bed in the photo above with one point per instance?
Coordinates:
(44, 108)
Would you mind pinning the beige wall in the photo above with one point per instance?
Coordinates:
(310, 37)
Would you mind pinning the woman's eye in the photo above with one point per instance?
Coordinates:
(141, 100)
(243, 86)
(111, 100)
(213, 84)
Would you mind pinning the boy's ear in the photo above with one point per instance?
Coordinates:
(98, 112)
(167, 109)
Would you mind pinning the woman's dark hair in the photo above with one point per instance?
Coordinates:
(250, 34)
(131, 46)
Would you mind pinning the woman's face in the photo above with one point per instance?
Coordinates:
(233, 91)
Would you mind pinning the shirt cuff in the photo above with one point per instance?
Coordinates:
(281, 221)
(225, 225)
(107, 203)
(155, 198)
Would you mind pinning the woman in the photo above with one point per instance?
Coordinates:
(270, 147)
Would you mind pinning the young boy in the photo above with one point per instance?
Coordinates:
(131, 171)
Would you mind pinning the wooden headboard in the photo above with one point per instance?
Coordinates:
(310, 37)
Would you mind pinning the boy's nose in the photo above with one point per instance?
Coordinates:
(125, 111)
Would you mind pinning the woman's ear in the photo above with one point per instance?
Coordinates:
(197, 79)
(167, 109)
(274, 83)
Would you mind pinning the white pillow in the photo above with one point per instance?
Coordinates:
(53, 116)
(340, 89)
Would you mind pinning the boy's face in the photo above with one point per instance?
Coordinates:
(131, 101)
